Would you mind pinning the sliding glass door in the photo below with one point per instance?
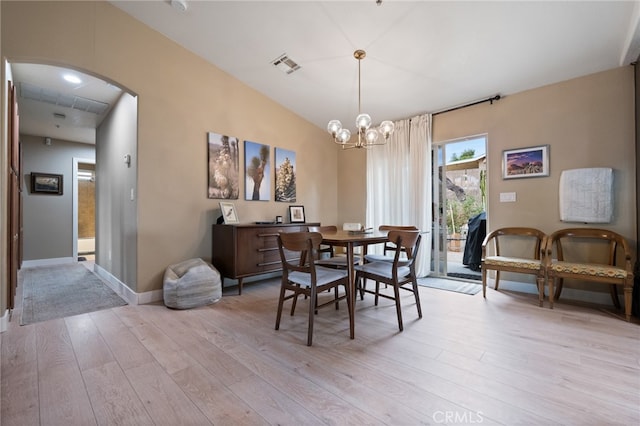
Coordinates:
(459, 214)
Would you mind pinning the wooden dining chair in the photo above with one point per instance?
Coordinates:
(389, 247)
(303, 276)
(326, 253)
(400, 274)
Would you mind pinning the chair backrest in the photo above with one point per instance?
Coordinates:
(595, 237)
(304, 244)
(326, 229)
(408, 241)
(389, 246)
(539, 240)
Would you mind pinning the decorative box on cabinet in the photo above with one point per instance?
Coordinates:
(240, 251)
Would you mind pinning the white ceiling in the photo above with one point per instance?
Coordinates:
(422, 56)
(50, 106)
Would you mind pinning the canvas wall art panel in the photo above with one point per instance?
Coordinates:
(257, 185)
(285, 175)
(224, 170)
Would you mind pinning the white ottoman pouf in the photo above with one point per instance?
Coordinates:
(190, 284)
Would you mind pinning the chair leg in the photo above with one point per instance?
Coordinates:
(313, 302)
(414, 284)
(336, 296)
(558, 288)
(396, 292)
(295, 300)
(280, 304)
(377, 291)
(495, 287)
(362, 285)
(552, 283)
(540, 281)
(484, 283)
(614, 295)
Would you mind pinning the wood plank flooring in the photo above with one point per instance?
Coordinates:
(502, 360)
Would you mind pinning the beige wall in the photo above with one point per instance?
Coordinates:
(587, 122)
(181, 98)
(352, 175)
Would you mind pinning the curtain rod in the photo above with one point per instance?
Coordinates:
(491, 100)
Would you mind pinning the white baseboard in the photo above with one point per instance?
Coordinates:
(4, 321)
(125, 292)
(577, 295)
(47, 262)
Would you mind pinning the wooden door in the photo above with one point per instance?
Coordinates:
(14, 202)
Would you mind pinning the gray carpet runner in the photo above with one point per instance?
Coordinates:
(59, 291)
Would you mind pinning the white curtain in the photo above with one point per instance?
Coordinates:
(399, 183)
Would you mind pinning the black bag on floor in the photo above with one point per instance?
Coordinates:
(473, 247)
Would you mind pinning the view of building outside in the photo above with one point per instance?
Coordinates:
(466, 177)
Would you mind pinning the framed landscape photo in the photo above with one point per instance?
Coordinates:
(229, 213)
(46, 183)
(296, 214)
(525, 162)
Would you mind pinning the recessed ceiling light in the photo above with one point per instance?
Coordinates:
(72, 78)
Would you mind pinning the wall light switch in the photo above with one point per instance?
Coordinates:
(507, 197)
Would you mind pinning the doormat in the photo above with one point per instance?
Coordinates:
(59, 291)
(450, 285)
(476, 277)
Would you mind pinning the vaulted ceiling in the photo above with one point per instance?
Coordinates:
(422, 56)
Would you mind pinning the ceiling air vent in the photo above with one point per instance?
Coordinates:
(285, 64)
(35, 93)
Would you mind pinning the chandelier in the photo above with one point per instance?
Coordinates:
(367, 135)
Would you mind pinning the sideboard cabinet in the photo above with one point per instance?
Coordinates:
(246, 250)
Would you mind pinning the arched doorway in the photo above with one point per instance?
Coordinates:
(65, 114)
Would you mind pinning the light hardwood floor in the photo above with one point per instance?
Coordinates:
(502, 360)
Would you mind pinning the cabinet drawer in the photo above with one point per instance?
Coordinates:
(246, 250)
(266, 247)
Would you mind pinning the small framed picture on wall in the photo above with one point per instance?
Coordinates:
(46, 183)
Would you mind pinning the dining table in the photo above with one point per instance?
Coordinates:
(350, 240)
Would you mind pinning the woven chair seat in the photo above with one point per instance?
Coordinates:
(594, 270)
(518, 262)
